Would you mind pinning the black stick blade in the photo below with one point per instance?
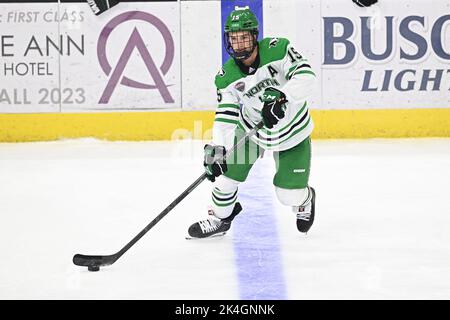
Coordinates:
(93, 261)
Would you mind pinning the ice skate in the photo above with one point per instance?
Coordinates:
(305, 214)
(213, 226)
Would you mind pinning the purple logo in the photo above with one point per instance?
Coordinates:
(240, 86)
(136, 41)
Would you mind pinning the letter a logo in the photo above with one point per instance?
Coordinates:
(136, 42)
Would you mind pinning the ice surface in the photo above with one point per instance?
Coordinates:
(382, 229)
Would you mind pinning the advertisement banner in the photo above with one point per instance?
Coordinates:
(66, 59)
(63, 58)
(29, 57)
(393, 55)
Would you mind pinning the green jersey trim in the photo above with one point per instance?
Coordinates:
(296, 69)
(226, 120)
(232, 106)
(303, 72)
(267, 138)
(270, 50)
(292, 134)
(230, 73)
(280, 131)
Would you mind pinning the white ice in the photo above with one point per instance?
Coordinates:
(382, 229)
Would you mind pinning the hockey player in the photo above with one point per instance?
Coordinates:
(270, 81)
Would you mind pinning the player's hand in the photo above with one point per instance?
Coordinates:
(365, 3)
(274, 106)
(213, 161)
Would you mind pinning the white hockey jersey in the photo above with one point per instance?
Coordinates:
(239, 97)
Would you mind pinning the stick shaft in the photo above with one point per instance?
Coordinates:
(108, 260)
(186, 192)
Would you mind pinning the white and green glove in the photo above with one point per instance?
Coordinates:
(214, 162)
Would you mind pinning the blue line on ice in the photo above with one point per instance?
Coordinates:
(256, 243)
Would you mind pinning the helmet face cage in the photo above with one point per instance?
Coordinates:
(245, 53)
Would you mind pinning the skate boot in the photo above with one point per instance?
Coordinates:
(213, 226)
(305, 214)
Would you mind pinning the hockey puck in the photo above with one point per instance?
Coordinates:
(93, 268)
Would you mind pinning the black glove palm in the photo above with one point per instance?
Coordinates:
(274, 109)
(365, 3)
(214, 162)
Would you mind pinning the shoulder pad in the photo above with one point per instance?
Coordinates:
(272, 49)
(228, 74)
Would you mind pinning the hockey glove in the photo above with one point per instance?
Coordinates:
(100, 6)
(213, 161)
(274, 108)
(365, 3)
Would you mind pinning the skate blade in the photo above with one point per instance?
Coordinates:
(217, 235)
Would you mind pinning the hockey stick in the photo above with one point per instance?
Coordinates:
(100, 6)
(95, 262)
